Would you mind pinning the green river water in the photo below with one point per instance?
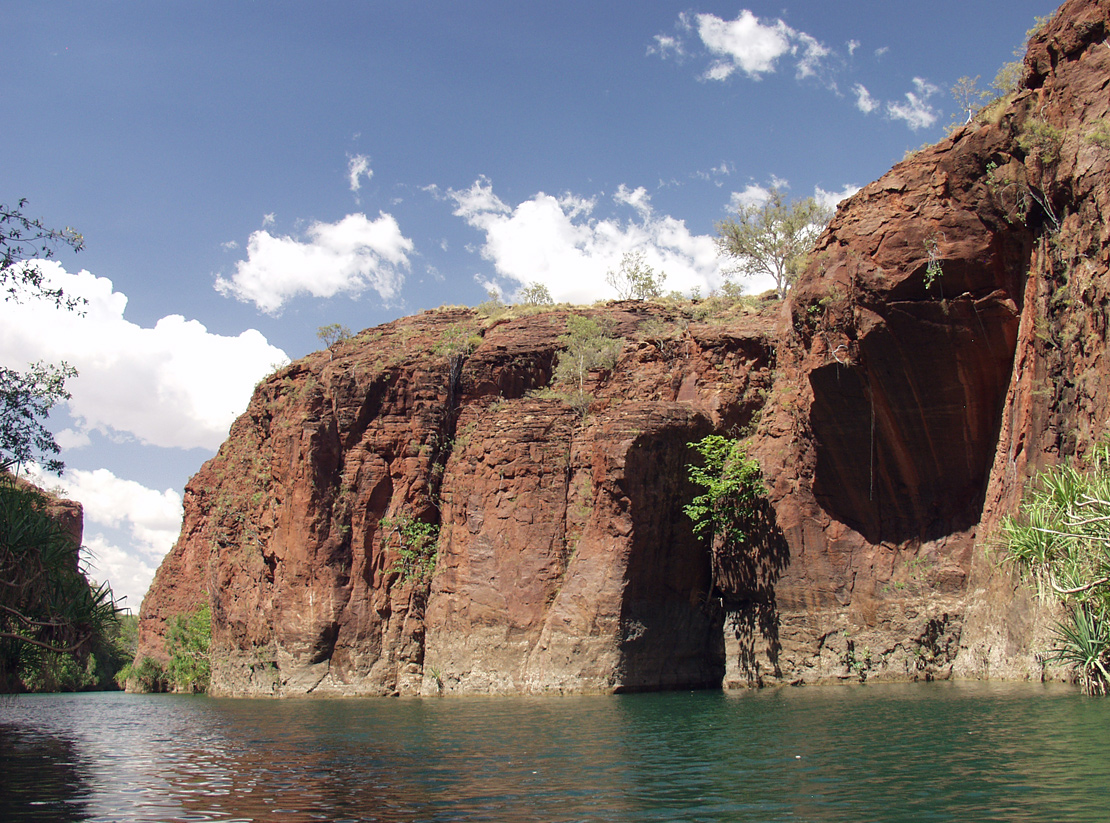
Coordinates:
(913, 752)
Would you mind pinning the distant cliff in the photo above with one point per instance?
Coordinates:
(946, 341)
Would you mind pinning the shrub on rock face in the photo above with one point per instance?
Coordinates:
(416, 547)
(586, 347)
(733, 486)
(1061, 541)
(147, 676)
(48, 608)
(187, 643)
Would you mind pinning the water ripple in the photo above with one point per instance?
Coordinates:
(874, 753)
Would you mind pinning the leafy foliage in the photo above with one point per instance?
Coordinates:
(47, 605)
(586, 347)
(333, 333)
(415, 545)
(26, 398)
(25, 402)
(1061, 540)
(934, 268)
(22, 241)
(733, 486)
(773, 237)
(148, 676)
(187, 642)
(457, 340)
(536, 294)
(969, 98)
(635, 279)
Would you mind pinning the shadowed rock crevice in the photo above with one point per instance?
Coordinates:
(670, 622)
(905, 430)
(744, 579)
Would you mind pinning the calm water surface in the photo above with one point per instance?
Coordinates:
(920, 752)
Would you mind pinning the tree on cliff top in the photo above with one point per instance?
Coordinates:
(773, 237)
(635, 279)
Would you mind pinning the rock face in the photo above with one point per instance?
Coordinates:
(946, 342)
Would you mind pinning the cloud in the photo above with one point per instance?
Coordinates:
(916, 111)
(743, 43)
(831, 199)
(637, 198)
(666, 45)
(812, 54)
(148, 522)
(128, 574)
(174, 385)
(864, 101)
(358, 166)
(119, 511)
(756, 195)
(152, 517)
(752, 195)
(349, 256)
(852, 46)
(746, 44)
(557, 241)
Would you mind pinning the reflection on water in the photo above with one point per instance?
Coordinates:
(855, 753)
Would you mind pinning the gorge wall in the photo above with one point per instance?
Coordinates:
(946, 342)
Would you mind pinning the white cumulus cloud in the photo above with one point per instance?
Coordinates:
(752, 195)
(358, 167)
(746, 44)
(864, 101)
(150, 518)
(831, 199)
(128, 573)
(348, 256)
(120, 512)
(916, 111)
(557, 241)
(175, 384)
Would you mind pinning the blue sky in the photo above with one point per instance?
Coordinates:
(245, 172)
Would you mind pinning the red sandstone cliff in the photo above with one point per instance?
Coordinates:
(899, 421)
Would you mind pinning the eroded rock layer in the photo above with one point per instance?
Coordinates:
(946, 341)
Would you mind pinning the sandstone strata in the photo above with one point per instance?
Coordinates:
(946, 342)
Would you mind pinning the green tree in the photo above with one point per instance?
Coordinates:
(733, 485)
(586, 347)
(969, 98)
(536, 294)
(26, 399)
(332, 334)
(773, 237)
(1061, 542)
(188, 638)
(25, 240)
(635, 279)
(416, 547)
